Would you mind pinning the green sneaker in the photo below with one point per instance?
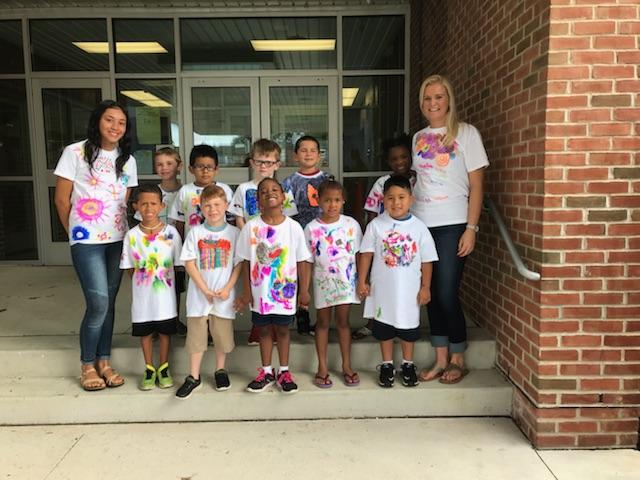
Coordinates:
(148, 381)
(165, 380)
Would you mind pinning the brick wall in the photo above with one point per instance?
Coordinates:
(553, 88)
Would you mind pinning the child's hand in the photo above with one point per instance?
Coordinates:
(241, 302)
(424, 295)
(223, 294)
(303, 299)
(363, 290)
(211, 295)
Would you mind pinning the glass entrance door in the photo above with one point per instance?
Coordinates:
(62, 108)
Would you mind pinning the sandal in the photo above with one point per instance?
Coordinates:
(91, 384)
(111, 378)
(424, 373)
(452, 367)
(360, 333)
(352, 380)
(322, 382)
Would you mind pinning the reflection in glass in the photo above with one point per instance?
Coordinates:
(357, 189)
(18, 239)
(53, 49)
(153, 113)
(58, 233)
(222, 118)
(157, 31)
(373, 43)
(298, 111)
(66, 114)
(15, 154)
(377, 113)
(11, 47)
(225, 43)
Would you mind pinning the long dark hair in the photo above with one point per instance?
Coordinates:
(94, 141)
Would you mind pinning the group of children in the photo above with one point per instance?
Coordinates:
(286, 237)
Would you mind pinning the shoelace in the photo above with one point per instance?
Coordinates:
(261, 375)
(285, 377)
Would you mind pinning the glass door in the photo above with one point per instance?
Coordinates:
(62, 108)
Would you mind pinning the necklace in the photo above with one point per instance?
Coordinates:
(151, 229)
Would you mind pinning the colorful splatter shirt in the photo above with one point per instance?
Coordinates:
(98, 199)
(304, 189)
(245, 202)
(186, 207)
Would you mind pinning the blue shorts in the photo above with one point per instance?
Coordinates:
(264, 320)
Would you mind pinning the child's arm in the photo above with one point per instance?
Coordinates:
(364, 264)
(180, 228)
(194, 274)
(240, 221)
(225, 291)
(424, 294)
(244, 299)
(304, 275)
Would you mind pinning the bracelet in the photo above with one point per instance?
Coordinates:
(473, 227)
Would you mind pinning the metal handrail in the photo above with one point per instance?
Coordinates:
(490, 206)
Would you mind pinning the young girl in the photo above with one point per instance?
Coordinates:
(274, 252)
(334, 240)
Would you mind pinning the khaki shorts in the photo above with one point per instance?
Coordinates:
(221, 331)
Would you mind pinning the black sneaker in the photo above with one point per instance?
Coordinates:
(387, 374)
(409, 377)
(303, 321)
(222, 380)
(190, 384)
(286, 383)
(261, 382)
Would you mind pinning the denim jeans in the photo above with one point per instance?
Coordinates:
(446, 319)
(98, 269)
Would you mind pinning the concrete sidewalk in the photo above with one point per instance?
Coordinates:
(464, 448)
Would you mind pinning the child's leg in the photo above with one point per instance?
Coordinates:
(407, 350)
(344, 336)
(164, 342)
(196, 343)
(266, 345)
(323, 318)
(282, 332)
(195, 359)
(146, 343)
(386, 349)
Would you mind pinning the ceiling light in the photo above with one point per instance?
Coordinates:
(293, 45)
(121, 47)
(348, 96)
(146, 98)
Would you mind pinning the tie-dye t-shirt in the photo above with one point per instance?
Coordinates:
(333, 251)
(399, 247)
(273, 252)
(375, 200)
(442, 184)
(214, 253)
(304, 189)
(245, 202)
(186, 207)
(98, 199)
(152, 258)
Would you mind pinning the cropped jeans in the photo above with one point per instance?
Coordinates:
(98, 269)
(446, 319)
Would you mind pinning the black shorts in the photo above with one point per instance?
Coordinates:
(263, 320)
(180, 281)
(382, 331)
(164, 327)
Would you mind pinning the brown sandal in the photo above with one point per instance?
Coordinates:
(91, 384)
(112, 379)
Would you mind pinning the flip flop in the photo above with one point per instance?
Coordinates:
(424, 372)
(352, 380)
(453, 367)
(322, 382)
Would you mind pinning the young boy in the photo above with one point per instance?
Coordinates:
(399, 250)
(209, 257)
(150, 251)
(303, 185)
(274, 251)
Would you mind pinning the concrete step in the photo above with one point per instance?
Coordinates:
(59, 400)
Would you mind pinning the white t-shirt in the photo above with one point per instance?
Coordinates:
(214, 253)
(152, 258)
(98, 199)
(186, 207)
(273, 252)
(245, 202)
(442, 185)
(375, 200)
(167, 198)
(333, 251)
(399, 247)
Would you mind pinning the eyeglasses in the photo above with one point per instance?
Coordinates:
(204, 168)
(264, 163)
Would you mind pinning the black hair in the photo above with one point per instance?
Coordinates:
(397, 181)
(203, 150)
(269, 179)
(147, 188)
(330, 184)
(402, 140)
(94, 141)
(306, 138)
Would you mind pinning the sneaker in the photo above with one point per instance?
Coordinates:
(303, 321)
(254, 337)
(387, 374)
(181, 328)
(409, 376)
(190, 385)
(148, 381)
(165, 380)
(286, 383)
(222, 380)
(261, 382)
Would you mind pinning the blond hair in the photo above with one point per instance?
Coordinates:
(169, 152)
(452, 123)
(212, 191)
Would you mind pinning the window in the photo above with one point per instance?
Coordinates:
(15, 153)
(11, 47)
(17, 222)
(144, 46)
(373, 43)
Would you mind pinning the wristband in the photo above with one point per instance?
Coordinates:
(473, 227)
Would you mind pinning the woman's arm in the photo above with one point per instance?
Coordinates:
(468, 240)
(62, 200)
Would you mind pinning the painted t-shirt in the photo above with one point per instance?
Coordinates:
(304, 189)
(186, 207)
(167, 198)
(245, 202)
(333, 251)
(442, 184)
(214, 253)
(399, 247)
(98, 199)
(375, 200)
(152, 258)
(273, 252)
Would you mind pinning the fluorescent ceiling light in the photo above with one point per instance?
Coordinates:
(121, 47)
(147, 98)
(348, 96)
(293, 45)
